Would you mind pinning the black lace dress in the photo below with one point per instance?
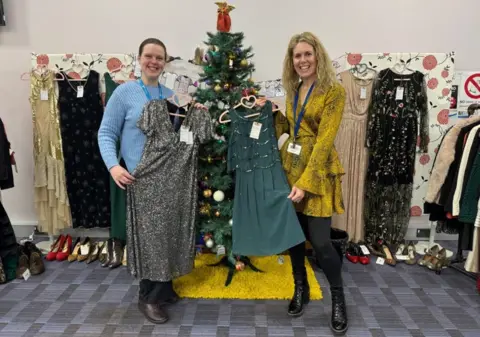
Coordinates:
(395, 121)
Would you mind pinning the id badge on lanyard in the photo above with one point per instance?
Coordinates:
(147, 93)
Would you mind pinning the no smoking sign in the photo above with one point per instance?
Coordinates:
(468, 90)
(471, 86)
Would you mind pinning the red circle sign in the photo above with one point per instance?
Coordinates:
(472, 80)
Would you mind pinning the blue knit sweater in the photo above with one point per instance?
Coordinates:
(119, 122)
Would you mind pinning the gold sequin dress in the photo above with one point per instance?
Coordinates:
(50, 194)
(317, 170)
(350, 144)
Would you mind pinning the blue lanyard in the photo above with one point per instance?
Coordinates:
(302, 112)
(147, 93)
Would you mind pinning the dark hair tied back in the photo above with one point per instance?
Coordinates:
(151, 40)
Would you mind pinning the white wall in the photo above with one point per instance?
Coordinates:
(116, 26)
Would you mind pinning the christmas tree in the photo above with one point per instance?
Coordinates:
(227, 74)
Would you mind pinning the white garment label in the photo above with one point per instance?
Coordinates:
(363, 93)
(80, 91)
(184, 134)
(399, 93)
(294, 148)
(44, 95)
(364, 250)
(280, 259)
(380, 260)
(256, 129)
(26, 275)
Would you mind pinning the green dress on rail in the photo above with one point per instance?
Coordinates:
(118, 199)
(264, 219)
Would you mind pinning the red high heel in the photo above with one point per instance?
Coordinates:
(351, 254)
(55, 248)
(362, 257)
(65, 249)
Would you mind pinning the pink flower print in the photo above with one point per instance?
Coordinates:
(400, 105)
(114, 64)
(445, 92)
(432, 83)
(68, 56)
(74, 75)
(415, 211)
(132, 76)
(442, 117)
(429, 62)
(424, 159)
(43, 60)
(445, 73)
(354, 59)
(386, 54)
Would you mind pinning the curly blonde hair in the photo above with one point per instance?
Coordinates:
(326, 76)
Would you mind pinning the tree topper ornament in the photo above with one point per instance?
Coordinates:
(223, 18)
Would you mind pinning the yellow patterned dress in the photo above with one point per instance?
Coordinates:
(50, 195)
(317, 170)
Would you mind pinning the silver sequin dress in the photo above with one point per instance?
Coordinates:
(162, 202)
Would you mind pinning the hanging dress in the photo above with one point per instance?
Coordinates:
(264, 219)
(162, 201)
(350, 145)
(392, 133)
(118, 196)
(50, 191)
(81, 112)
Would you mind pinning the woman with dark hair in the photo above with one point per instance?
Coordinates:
(137, 116)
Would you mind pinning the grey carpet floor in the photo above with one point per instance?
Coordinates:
(85, 300)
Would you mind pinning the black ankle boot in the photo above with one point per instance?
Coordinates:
(301, 296)
(339, 321)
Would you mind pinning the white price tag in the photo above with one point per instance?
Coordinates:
(280, 259)
(220, 250)
(190, 138)
(138, 70)
(44, 95)
(363, 93)
(26, 275)
(364, 250)
(294, 148)
(380, 260)
(80, 91)
(184, 134)
(399, 93)
(256, 129)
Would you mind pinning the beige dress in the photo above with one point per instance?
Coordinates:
(50, 193)
(350, 144)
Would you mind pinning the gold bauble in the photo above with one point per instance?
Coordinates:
(226, 86)
(207, 193)
(205, 178)
(217, 88)
(209, 159)
(239, 265)
(217, 214)
(244, 63)
(251, 81)
(205, 209)
(254, 91)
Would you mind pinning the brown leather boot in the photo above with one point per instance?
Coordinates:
(23, 261)
(36, 258)
(153, 312)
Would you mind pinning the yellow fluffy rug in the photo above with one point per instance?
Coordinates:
(276, 281)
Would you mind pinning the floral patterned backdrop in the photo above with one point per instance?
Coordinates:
(438, 69)
(181, 76)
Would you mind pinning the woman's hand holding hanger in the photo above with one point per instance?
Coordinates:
(199, 106)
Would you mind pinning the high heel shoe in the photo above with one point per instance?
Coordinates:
(3, 276)
(55, 248)
(429, 254)
(389, 259)
(64, 251)
(362, 258)
(23, 262)
(436, 263)
(108, 254)
(117, 256)
(75, 251)
(124, 260)
(351, 254)
(95, 250)
(84, 249)
(411, 259)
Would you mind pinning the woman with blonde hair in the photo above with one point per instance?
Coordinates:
(314, 108)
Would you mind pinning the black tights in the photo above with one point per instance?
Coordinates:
(317, 232)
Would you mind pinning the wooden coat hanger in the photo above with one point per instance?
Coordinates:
(248, 102)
